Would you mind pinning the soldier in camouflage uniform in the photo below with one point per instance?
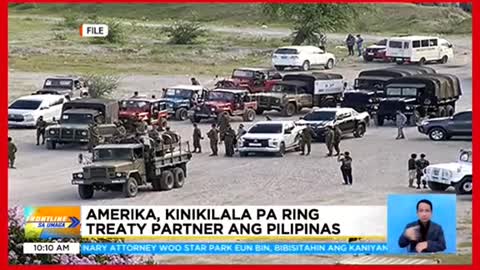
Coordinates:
(307, 134)
(41, 126)
(197, 136)
(229, 141)
(223, 122)
(213, 136)
(329, 134)
(12, 150)
(337, 137)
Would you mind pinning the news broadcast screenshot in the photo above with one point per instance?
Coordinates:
(248, 133)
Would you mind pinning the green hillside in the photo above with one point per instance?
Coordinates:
(387, 18)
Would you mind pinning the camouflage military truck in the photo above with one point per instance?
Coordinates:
(419, 97)
(130, 164)
(298, 91)
(78, 116)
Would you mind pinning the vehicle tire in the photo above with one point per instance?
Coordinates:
(379, 120)
(51, 145)
(442, 112)
(306, 66)
(85, 191)
(450, 110)
(464, 186)
(422, 61)
(281, 153)
(368, 59)
(130, 188)
(243, 154)
(249, 115)
(437, 186)
(289, 110)
(359, 131)
(437, 134)
(259, 111)
(279, 68)
(181, 114)
(179, 177)
(444, 59)
(329, 64)
(167, 180)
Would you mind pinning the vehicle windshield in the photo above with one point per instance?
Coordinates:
(282, 88)
(382, 42)
(320, 116)
(178, 93)
(241, 73)
(77, 118)
(466, 157)
(112, 154)
(58, 83)
(401, 92)
(286, 51)
(366, 84)
(25, 104)
(135, 105)
(395, 44)
(220, 96)
(266, 129)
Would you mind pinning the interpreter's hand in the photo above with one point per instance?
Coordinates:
(411, 233)
(421, 246)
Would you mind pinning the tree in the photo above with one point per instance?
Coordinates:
(311, 21)
(101, 85)
(184, 32)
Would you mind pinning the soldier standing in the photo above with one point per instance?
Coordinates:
(12, 150)
(229, 141)
(329, 134)
(421, 164)
(223, 122)
(213, 137)
(400, 121)
(412, 169)
(197, 136)
(41, 126)
(337, 137)
(346, 168)
(240, 132)
(307, 134)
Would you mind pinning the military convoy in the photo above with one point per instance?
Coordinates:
(76, 119)
(418, 97)
(131, 163)
(369, 86)
(297, 91)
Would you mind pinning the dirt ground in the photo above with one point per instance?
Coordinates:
(43, 176)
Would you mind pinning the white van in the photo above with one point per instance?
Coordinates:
(25, 111)
(419, 49)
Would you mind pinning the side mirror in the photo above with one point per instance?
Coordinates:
(450, 46)
(44, 108)
(288, 131)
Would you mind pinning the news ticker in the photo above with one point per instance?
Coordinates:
(206, 248)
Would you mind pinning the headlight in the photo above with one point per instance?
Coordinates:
(79, 175)
(52, 131)
(28, 117)
(84, 133)
(427, 101)
(408, 108)
(370, 100)
(212, 109)
(119, 174)
(448, 174)
(198, 108)
(375, 107)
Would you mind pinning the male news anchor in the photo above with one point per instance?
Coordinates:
(423, 235)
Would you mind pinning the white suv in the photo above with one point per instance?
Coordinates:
(271, 137)
(25, 111)
(457, 174)
(302, 57)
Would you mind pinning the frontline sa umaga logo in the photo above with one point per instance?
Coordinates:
(93, 30)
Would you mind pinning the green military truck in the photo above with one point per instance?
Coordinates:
(77, 118)
(126, 166)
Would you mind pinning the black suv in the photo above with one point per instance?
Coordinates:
(443, 128)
